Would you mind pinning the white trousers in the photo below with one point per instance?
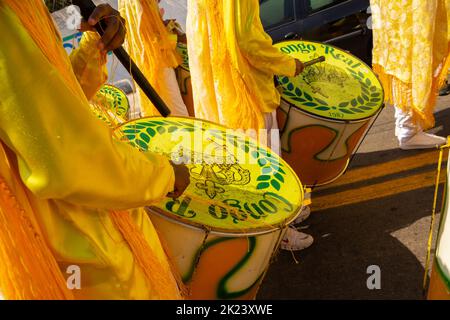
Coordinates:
(178, 108)
(273, 133)
(404, 126)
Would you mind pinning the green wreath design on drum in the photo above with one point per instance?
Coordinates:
(341, 88)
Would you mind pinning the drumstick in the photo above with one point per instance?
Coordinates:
(86, 9)
(314, 61)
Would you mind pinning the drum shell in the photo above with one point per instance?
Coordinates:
(439, 288)
(318, 149)
(217, 265)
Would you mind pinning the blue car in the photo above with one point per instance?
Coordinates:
(342, 23)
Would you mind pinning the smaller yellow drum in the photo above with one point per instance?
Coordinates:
(325, 111)
(184, 79)
(224, 230)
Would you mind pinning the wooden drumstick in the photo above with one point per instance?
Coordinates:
(314, 61)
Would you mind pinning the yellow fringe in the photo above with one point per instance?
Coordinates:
(399, 94)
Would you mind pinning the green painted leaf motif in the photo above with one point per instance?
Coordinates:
(368, 82)
(284, 80)
(354, 102)
(151, 132)
(365, 108)
(323, 108)
(298, 92)
(289, 94)
(262, 185)
(130, 137)
(255, 154)
(262, 162)
(131, 131)
(361, 74)
(263, 178)
(281, 170)
(322, 102)
(161, 130)
(365, 97)
(308, 97)
(343, 104)
(346, 111)
(266, 170)
(371, 104)
(375, 100)
(290, 87)
(279, 177)
(299, 99)
(145, 137)
(275, 184)
(141, 144)
(360, 100)
(172, 129)
(356, 110)
(373, 88)
(376, 94)
(310, 104)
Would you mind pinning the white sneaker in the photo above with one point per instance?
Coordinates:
(295, 240)
(306, 212)
(422, 140)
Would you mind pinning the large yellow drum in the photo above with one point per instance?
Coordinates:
(325, 111)
(224, 230)
(440, 276)
(184, 79)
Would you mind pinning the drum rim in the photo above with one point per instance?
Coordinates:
(350, 54)
(222, 232)
(287, 221)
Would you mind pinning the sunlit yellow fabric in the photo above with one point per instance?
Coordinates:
(89, 64)
(232, 63)
(73, 172)
(411, 52)
(151, 46)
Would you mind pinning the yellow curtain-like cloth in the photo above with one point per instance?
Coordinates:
(151, 46)
(233, 62)
(411, 53)
(65, 183)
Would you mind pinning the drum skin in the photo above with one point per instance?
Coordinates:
(184, 79)
(111, 105)
(439, 288)
(223, 231)
(326, 111)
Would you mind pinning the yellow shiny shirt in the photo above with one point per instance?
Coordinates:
(233, 62)
(73, 171)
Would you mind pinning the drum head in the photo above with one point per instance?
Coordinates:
(236, 185)
(341, 88)
(183, 51)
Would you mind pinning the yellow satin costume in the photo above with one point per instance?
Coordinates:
(411, 53)
(63, 180)
(151, 46)
(232, 63)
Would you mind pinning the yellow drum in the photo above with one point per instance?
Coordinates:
(224, 230)
(184, 79)
(440, 276)
(325, 111)
(111, 105)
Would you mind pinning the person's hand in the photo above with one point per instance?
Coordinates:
(182, 180)
(114, 27)
(299, 67)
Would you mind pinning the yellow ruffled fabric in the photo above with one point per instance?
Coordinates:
(411, 53)
(65, 182)
(151, 46)
(232, 63)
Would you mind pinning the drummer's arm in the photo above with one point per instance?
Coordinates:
(63, 151)
(256, 45)
(89, 64)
